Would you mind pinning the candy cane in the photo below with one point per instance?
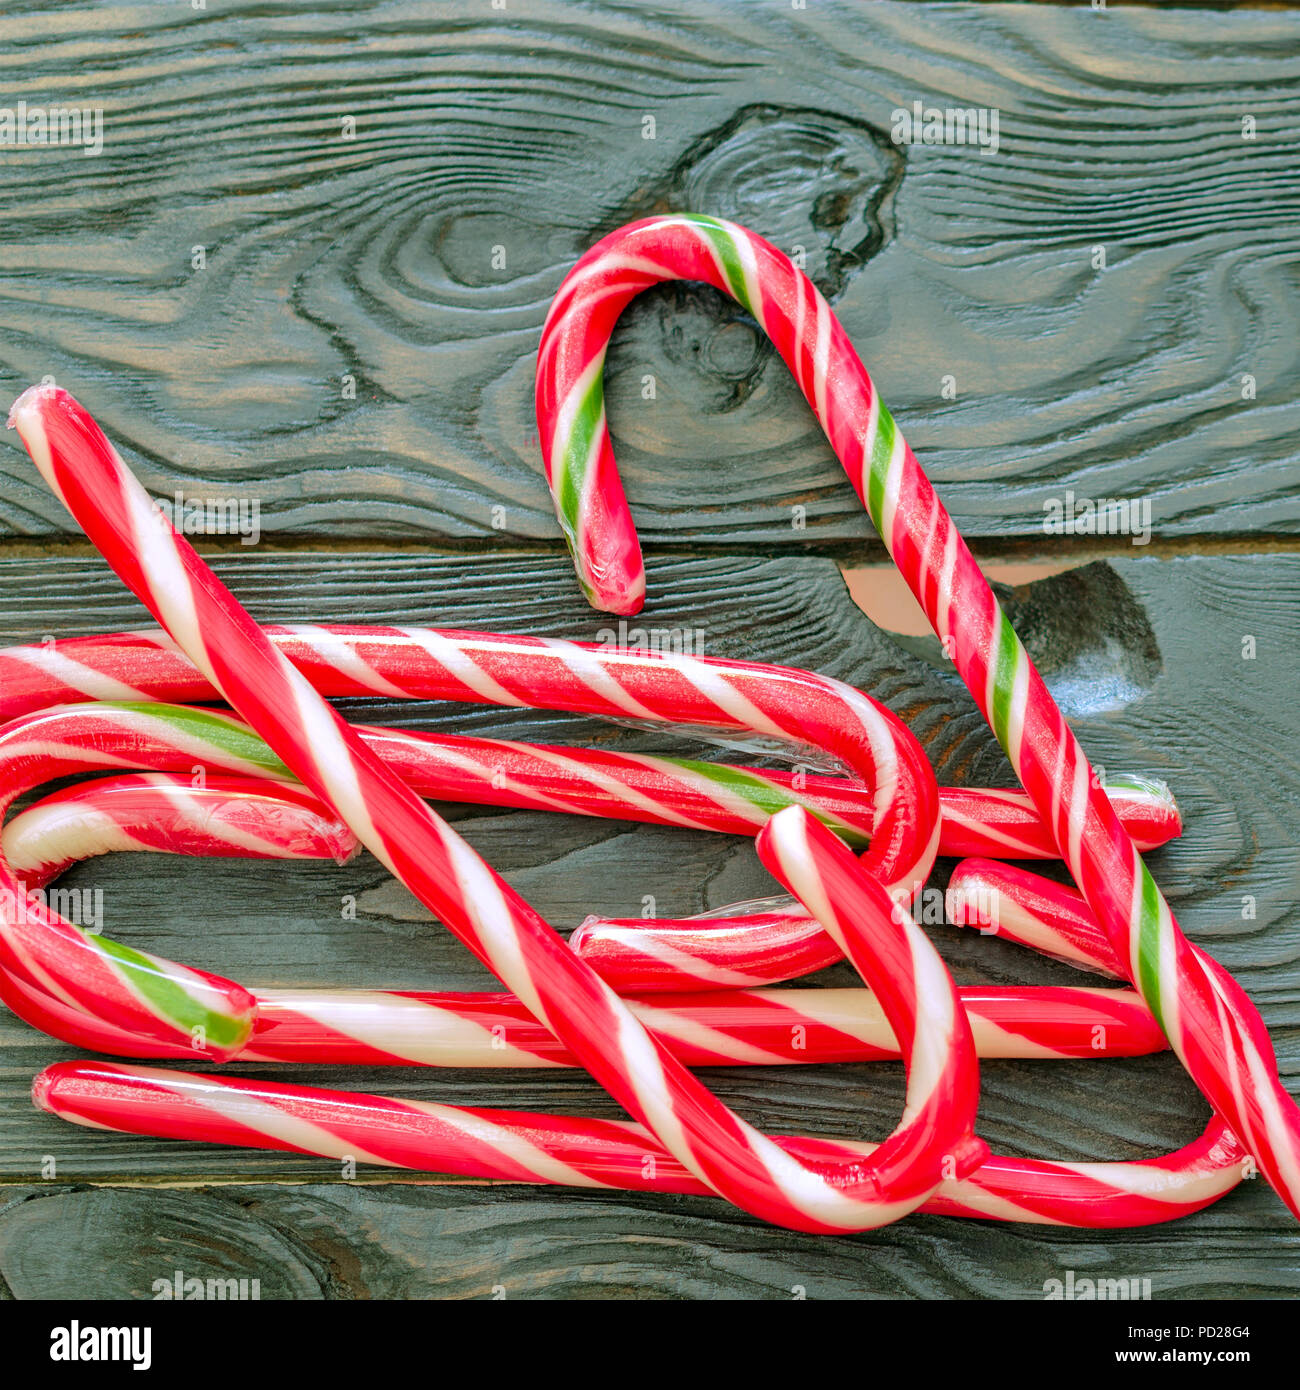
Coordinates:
(523, 1146)
(417, 663)
(237, 816)
(560, 991)
(1224, 1046)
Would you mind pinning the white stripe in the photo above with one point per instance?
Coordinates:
(674, 1028)
(26, 418)
(655, 945)
(567, 414)
(74, 674)
(454, 659)
(509, 1143)
(341, 652)
(822, 357)
(591, 669)
(276, 1123)
(719, 690)
(418, 1032)
(493, 922)
(158, 554)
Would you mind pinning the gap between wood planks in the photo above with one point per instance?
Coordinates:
(873, 582)
(848, 554)
(385, 1178)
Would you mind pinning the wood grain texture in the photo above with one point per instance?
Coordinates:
(1146, 655)
(371, 257)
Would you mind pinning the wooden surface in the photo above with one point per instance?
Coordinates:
(370, 256)
(1160, 640)
(522, 129)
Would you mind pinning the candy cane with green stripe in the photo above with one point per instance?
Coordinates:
(83, 970)
(430, 664)
(227, 815)
(1224, 1046)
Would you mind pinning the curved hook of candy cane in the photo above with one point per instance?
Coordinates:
(500, 928)
(229, 816)
(776, 702)
(158, 812)
(1223, 1044)
(1055, 919)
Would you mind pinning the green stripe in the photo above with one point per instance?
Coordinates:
(1148, 980)
(882, 450)
(165, 996)
(729, 254)
(577, 451)
(233, 740)
(170, 1000)
(1006, 659)
(768, 797)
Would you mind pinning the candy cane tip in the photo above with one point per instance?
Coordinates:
(344, 845)
(968, 1155)
(580, 935)
(43, 1085)
(624, 598)
(32, 402)
(786, 821)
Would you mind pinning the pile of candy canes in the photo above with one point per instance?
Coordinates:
(634, 1003)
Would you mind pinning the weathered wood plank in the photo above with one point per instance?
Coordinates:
(371, 257)
(1161, 641)
(345, 1240)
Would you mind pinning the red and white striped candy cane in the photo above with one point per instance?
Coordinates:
(321, 749)
(239, 816)
(1224, 1047)
(524, 1146)
(417, 663)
